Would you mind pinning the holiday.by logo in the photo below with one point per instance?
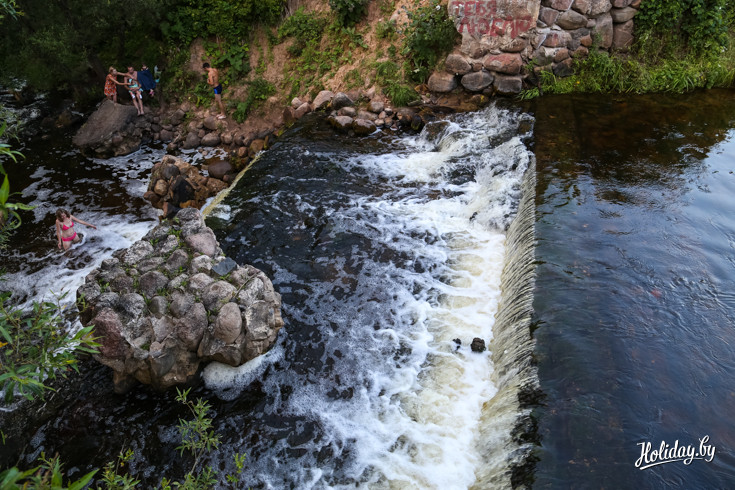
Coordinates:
(676, 453)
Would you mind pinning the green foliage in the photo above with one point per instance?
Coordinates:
(349, 12)
(35, 348)
(231, 20)
(233, 56)
(430, 35)
(259, 91)
(114, 481)
(314, 65)
(388, 74)
(702, 25)
(400, 94)
(305, 28)
(654, 67)
(9, 7)
(386, 29)
(197, 438)
(46, 476)
(9, 217)
(54, 44)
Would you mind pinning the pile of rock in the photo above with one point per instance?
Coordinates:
(501, 38)
(173, 301)
(346, 117)
(176, 184)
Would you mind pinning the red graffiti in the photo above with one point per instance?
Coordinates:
(494, 26)
(481, 17)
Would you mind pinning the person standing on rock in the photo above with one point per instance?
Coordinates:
(131, 80)
(213, 81)
(111, 84)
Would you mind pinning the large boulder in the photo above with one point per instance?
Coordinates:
(111, 130)
(188, 310)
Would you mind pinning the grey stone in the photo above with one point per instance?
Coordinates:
(442, 82)
(151, 282)
(137, 252)
(228, 325)
(322, 99)
(205, 243)
(363, 127)
(224, 267)
(621, 15)
(341, 100)
(506, 85)
(217, 294)
(456, 64)
(158, 306)
(571, 20)
(477, 81)
(342, 123)
(376, 106)
(210, 139)
(200, 263)
(180, 303)
(190, 329)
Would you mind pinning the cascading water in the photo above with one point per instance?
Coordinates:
(388, 252)
(406, 257)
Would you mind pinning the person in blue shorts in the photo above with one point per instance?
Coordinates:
(213, 81)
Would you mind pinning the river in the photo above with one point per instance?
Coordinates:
(588, 240)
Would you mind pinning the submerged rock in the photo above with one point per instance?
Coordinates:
(171, 323)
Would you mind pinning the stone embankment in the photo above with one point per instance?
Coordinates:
(506, 44)
(172, 302)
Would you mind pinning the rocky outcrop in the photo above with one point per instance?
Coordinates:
(176, 184)
(172, 302)
(113, 129)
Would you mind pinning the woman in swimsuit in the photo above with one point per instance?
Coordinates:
(111, 84)
(65, 228)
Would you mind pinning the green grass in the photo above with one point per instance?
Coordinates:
(654, 65)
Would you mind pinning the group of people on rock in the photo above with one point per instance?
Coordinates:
(136, 82)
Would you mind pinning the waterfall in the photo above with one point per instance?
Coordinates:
(515, 375)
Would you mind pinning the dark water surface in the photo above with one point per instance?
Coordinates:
(635, 292)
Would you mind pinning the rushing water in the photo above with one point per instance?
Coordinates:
(599, 272)
(388, 253)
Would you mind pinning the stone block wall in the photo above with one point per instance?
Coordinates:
(501, 39)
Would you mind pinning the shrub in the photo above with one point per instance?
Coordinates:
(259, 91)
(349, 12)
(35, 347)
(702, 24)
(304, 27)
(430, 35)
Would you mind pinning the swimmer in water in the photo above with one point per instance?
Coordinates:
(65, 228)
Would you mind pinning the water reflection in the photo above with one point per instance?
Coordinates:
(634, 289)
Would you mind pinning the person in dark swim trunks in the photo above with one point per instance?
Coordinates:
(65, 228)
(213, 81)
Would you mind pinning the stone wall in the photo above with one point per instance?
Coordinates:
(502, 39)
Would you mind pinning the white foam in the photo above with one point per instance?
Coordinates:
(412, 418)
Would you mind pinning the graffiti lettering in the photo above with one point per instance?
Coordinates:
(494, 26)
(489, 18)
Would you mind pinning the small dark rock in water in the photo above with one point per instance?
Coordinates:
(478, 345)
(458, 342)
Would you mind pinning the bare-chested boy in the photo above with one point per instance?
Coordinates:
(213, 81)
